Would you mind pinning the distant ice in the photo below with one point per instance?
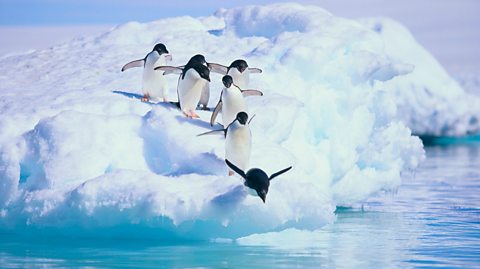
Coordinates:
(21, 39)
(430, 102)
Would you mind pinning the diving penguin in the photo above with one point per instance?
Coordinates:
(256, 179)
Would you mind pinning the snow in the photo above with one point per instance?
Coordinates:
(430, 102)
(80, 154)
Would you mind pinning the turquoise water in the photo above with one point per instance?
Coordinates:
(433, 220)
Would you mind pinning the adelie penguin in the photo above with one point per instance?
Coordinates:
(154, 85)
(195, 60)
(192, 80)
(231, 101)
(205, 96)
(238, 70)
(238, 141)
(256, 179)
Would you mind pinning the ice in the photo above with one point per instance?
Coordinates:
(429, 101)
(80, 154)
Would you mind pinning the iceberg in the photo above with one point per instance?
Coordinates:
(80, 155)
(429, 101)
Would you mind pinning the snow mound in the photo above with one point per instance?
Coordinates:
(80, 154)
(429, 101)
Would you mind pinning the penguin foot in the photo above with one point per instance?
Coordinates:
(191, 115)
(194, 115)
(145, 98)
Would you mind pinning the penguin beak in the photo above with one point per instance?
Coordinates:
(262, 195)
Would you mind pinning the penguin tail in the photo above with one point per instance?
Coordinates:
(177, 104)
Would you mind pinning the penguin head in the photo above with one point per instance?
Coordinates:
(258, 180)
(240, 65)
(197, 59)
(242, 118)
(160, 48)
(203, 71)
(227, 81)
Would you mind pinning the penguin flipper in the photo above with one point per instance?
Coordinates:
(218, 68)
(251, 93)
(280, 172)
(251, 118)
(169, 70)
(136, 63)
(236, 169)
(255, 70)
(215, 112)
(213, 132)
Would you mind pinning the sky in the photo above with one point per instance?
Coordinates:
(448, 28)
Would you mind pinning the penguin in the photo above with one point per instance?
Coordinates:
(191, 82)
(205, 96)
(198, 59)
(256, 179)
(231, 101)
(238, 141)
(238, 70)
(154, 84)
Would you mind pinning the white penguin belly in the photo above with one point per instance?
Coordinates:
(190, 90)
(205, 95)
(238, 146)
(232, 103)
(240, 79)
(154, 83)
